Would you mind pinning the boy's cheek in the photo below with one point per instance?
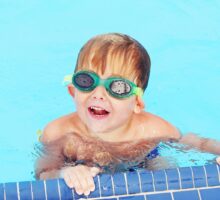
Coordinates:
(127, 105)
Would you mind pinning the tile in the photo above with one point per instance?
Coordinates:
(133, 182)
(147, 184)
(212, 175)
(186, 195)
(106, 185)
(160, 180)
(65, 191)
(1, 191)
(186, 177)
(119, 183)
(52, 190)
(11, 191)
(136, 197)
(173, 179)
(199, 176)
(162, 196)
(25, 190)
(38, 190)
(210, 194)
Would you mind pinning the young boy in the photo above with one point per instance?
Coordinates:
(111, 74)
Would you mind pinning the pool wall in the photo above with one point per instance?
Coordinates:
(194, 183)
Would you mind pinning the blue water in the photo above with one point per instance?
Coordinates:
(39, 42)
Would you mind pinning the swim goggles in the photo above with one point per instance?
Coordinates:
(117, 87)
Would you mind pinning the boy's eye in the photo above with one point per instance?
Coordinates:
(120, 87)
(84, 80)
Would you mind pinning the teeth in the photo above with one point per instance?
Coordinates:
(96, 108)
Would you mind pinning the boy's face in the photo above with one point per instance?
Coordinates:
(103, 113)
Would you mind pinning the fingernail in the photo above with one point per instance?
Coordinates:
(92, 189)
(79, 192)
(87, 193)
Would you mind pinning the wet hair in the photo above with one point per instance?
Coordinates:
(126, 57)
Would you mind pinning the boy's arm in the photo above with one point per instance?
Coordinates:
(50, 132)
(202, 144)
(59, 127)
(164, 129)
(49, 174)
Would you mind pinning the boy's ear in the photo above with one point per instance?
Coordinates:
(139, 106)
(71, 90)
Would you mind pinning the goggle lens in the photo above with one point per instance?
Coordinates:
(83, 80)
(120, 87)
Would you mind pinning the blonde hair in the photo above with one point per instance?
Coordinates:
(125, 56)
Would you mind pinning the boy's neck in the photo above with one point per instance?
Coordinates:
(120, 134)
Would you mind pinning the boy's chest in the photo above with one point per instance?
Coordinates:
(92, 150)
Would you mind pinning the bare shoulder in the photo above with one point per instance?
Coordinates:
(157, 127)
(58, 127)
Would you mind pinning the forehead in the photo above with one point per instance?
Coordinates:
(115, 64)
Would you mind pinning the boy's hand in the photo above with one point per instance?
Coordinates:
(80, 177)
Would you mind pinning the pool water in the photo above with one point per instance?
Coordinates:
(39, 45)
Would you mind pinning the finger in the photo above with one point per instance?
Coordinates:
(94, 171)
(68, 180)
(76, 184)
(91, 183)
(72, 180)
(83, 175)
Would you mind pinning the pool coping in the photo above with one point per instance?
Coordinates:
(194, 182)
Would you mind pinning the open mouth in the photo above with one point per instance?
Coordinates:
(98, 111)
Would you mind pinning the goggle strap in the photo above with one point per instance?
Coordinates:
(138, 91)
(67, 79)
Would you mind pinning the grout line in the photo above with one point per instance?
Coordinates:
(101, 189)
(58, 187)
(45, 189)
(4, 191)
(18, 192)
(193, 181)
(199, 195)
(153, 181)
(206, 178)
(171, 193)
(99, 184)
(113, 185)
(180, 180)
(139, 180)
(218, 172)
(126, 182)
(73, 194)
(166, 178)
(32, 194)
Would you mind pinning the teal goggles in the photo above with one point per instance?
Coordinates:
(117, 87)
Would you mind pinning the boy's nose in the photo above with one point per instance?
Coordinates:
(99, 93)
